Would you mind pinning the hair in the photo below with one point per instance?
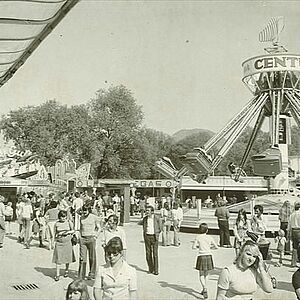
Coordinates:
(78, 285)
(175, 205)
(297, 205)
(151, 208)
(62, 213)
(243, 213)
(248, 245)
(166, 205)
(114, 245)
(203, 228)
(77, 194)
(115, 217)
(87, 207)
(281, 232)
(259, 207)
(53, 204)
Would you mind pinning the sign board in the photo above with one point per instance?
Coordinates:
(13, 182)
(270, 63)
(153, 183)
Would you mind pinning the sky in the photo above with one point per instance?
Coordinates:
(182, 60)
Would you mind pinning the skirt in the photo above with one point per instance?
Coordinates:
(204, 263)
(63, 252)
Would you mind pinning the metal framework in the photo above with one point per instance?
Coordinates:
(274, 81)
(20, 36)
(276, 93)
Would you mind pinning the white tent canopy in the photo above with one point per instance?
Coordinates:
(24, 24)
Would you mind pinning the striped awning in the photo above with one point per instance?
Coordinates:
(24, 24)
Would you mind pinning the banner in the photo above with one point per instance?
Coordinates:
(270, 63)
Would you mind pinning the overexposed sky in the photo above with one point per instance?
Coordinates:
(181, 59)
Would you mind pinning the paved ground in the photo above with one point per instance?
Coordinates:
(177, 279)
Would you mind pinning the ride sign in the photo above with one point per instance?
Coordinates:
(153, 183)
(270, 63)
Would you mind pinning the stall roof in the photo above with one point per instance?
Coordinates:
(24, 24)
(12, 182)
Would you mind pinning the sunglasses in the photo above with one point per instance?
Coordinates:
(112, 254)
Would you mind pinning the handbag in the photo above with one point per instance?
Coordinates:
(74, 240)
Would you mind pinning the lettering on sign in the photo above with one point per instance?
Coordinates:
(153, 183)
(267, 63)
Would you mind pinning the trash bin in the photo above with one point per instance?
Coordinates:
(264, 248)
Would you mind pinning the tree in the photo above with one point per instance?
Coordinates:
(50, 130)
(115, 121)
(35, 128)
(107, 132)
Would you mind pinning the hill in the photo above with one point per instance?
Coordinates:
(183, 133)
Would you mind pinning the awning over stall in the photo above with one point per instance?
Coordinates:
(24, 24)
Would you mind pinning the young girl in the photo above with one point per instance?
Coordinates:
(240, 228)
(204, 260)
(280, 240)
(77, 289)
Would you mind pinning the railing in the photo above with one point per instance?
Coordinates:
(207, 216)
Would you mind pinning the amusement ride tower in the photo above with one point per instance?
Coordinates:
(274, 81)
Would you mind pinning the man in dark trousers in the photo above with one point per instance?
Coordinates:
(151, 230)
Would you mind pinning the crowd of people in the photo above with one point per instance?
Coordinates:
(59, 222)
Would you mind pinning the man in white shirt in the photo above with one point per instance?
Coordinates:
(151, 229)
(26, 214)
(76, 205)
(2, 221)
(116, 203)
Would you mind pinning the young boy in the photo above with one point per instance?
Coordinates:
(280, 240)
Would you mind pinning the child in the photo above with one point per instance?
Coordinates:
(38, 228)
(8, 216)
(204, 259)
(77, 289)
(280, 240)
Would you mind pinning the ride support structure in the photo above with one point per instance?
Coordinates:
(274, 81)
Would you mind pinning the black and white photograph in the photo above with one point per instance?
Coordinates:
(149, 150)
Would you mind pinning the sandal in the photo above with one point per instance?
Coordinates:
(204, 293)
(66, 274)
(56, 278)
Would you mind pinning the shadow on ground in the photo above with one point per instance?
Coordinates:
(12, 237)
(51, 272)
(180, 288)
(285, 286)
(139, 269)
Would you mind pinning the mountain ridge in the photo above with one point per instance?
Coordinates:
(184, 133)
